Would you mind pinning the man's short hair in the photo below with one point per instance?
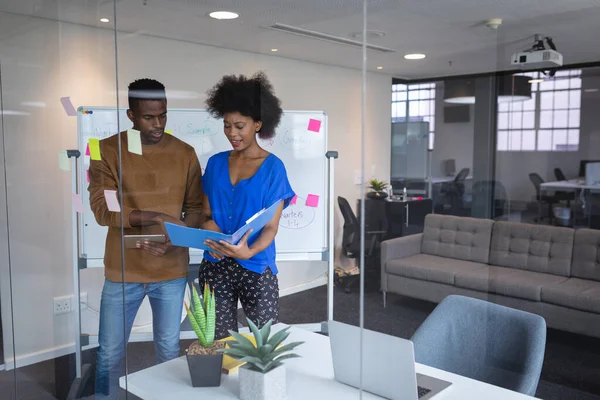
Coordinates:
(145, 89)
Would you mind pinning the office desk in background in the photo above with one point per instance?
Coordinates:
(572, 185)
(397, 218)
(308, 377)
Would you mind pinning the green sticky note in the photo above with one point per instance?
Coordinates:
(134, 141)
(63, 161)
(168, 132)
(95, 149)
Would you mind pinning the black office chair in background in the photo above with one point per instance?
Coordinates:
(351, 241)
(451, 194)
(559, 174)
(543, 197)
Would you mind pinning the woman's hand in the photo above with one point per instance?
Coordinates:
(240, 251)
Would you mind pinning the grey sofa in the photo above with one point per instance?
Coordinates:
(550, 271)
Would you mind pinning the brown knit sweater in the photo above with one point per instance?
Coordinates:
(165, 179)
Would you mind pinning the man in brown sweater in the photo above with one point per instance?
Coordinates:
(163, 184)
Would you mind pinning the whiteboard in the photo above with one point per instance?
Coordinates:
(302, 229)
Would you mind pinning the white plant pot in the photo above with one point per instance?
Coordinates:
(258, 386)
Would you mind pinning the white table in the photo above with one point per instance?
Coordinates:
(572, 185)
(308, 377)
(446, 179)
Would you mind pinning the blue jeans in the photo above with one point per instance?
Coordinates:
(116, 320)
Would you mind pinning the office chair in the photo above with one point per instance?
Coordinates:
(563, 196)
(483, 341)
(351, 238)
(452, 193)
(559, 175)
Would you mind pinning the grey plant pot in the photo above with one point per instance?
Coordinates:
(258, 386)
(205, 370)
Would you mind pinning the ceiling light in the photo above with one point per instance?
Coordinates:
(104, 20)
(274, 50)
(223, 15)
(414, 56)
(511, 89)
(590, 90)
(380, 67)
(535, 81)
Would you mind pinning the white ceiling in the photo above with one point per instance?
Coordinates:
(446, 30)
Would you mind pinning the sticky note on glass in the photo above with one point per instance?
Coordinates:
(111, 200)
(168, 131)
(312, 200)
(314, 125)
(134, 141)
(87, 149)
(63, 161)
(68, 106)
(94, 145)
(77, 203)
(293, 201)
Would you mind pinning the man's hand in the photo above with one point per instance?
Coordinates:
(240, 251)
(156, 249)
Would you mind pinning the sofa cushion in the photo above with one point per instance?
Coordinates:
(430, 268)
(457, 237)
(579, 294)
(586, 254)
(537, 248)
(507, 282)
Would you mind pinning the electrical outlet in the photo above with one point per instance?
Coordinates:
(62, 305)
(358, 177)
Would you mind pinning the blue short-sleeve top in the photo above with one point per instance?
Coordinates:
(233, 205)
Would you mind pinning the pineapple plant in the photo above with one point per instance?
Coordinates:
(263, 375)
(204, 360)
(377, 189)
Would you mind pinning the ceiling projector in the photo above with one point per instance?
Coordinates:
(542, 54)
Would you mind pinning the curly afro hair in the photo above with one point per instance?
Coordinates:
(252, 97)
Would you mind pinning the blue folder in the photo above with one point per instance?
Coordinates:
(194, 238)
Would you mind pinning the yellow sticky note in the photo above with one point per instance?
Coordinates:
(63, 161)
(134, 141)
(95, 149)
(168, 132)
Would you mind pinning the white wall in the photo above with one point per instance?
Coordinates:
(44, 60)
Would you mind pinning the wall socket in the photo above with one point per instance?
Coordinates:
(62, 305)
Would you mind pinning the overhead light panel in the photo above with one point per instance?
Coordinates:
(535, 80)
(274, 50)
(380, 67)
(414, 56)
(104, 20)
(223, 15)
(325, 37)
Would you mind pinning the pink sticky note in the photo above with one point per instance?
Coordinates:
(314, 125)
(77, 203)
(87, 175)
(87, 149)
(293, 201)
(111, 200)
(68, 106)
(312, 200)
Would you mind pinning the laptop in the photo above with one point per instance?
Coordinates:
(389, 364)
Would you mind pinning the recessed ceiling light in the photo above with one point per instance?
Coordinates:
(223, 15)
(535, 81)
(274, 50)
(592, 90)
(380, 67)
(414, 56)
(104, 20)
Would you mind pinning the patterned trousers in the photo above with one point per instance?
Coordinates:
(258, 293)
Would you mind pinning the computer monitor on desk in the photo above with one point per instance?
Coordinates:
(592, 174)
(582, 166)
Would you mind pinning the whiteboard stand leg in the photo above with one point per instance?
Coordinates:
(81, 379)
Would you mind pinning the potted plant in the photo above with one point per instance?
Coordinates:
(377, 189)
(204, 360)
(263, 375)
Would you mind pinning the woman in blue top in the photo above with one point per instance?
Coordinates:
(237, 184)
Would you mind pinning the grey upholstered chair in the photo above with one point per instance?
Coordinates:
(484, 341)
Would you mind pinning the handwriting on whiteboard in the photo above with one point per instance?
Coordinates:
(297, 216)
(295, 140)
